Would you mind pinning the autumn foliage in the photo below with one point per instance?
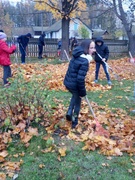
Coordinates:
(117, 124)
(61, 9)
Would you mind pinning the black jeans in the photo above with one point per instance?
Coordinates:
(75, 103)
(23, 53)
(6, 74)
(105, 70)
(40, 51)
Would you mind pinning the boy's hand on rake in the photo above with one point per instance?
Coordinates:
(132, 60)
(103, 59)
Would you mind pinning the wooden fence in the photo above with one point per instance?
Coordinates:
(116, 47)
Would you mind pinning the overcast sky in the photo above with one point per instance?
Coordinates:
(14, 1)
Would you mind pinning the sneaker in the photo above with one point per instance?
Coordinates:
(6, 85)
(109, 83)
(96, 81)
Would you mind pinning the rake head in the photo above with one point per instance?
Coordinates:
(99, 130)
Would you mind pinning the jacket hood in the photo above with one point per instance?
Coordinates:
(99, 39)
(29, 35)
(77, 51)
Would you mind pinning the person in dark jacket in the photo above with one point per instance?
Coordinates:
(74, 43)
(74, 79)
(41, 43)
(5, 52)
(59, 47)
(23, 41)
(101, 56)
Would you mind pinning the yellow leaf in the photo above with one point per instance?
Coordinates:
(4, 153)
(15, 155)
(41, 166)
(58, 158)
(62, 151)
(118, 152)
(2, 176)
(130, 170)
(2, 159)
(33, 131)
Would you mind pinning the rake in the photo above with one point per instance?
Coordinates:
(98, 129)
(108, 67)
(15, 57)
(131, 57)
(15, 53)
(25, 52)
(132, 60)
(66, 55)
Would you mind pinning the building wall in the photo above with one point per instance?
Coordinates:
(74, 29)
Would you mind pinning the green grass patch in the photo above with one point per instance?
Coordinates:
(76, 164)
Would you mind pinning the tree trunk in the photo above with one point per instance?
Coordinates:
(65, 38)
(131, 43)
(120, 13)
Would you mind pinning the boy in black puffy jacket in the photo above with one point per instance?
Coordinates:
(41, 43)
(101, 57)
(23, 41)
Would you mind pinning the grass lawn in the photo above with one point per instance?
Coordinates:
(77, 164)
(38, 162)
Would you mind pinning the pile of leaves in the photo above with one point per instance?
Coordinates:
(119, 125)
(122, 67)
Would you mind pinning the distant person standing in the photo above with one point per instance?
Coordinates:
(5, 52)
(74, 43)
(23, 41)
(59, 47)
(101, 56)
(41, 43)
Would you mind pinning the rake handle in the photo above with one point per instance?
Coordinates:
(104, 61)
(88, 102)
(66, 55)
(130, 55)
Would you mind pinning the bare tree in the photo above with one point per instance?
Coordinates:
(125, 11)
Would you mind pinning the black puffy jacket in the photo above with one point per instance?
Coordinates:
(77, 70)
(23, 40)
(41, 40)
(102, 50)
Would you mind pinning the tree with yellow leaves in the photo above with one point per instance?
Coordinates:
(64, 10)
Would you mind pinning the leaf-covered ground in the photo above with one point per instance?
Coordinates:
(119, 135)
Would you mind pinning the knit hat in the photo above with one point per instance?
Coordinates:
(2, 35)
